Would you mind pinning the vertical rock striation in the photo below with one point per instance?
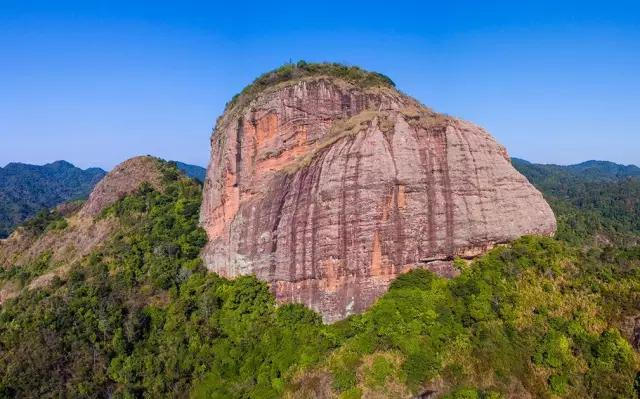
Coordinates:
(328, 189)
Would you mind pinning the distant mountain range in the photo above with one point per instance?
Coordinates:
(193, 171)
(596, 170)
(595, 199)
(26, 189)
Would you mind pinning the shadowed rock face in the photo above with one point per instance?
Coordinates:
(328, 192)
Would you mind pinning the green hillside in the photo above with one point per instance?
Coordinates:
(594, 201)
(27, 189)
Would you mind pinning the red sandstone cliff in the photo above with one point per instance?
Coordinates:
(328, 189)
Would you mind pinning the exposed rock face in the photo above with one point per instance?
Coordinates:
(328, 191)
(124, 179)
(636, 334)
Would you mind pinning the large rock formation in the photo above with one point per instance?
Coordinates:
(328, 187)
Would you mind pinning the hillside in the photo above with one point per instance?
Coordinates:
(26, 189)
(594, 200)
(140, 317)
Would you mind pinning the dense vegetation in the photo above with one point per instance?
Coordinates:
(594, 201)
(536, 313)
(27, 189)
(142, 318)
(301, 69)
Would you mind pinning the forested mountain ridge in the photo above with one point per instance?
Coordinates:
(594, 200)
(588, 170)
(604, 168)
(26, 189)
(193, 171)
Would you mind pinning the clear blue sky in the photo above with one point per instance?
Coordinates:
(97, 82)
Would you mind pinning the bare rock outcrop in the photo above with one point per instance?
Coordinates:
(329, 189)
(122, 180)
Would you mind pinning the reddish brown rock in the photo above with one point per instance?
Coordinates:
(124, 179)
(328, 191)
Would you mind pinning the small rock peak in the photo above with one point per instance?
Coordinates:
(83, 231)
(124, 179)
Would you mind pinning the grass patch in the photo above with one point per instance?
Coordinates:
(340, 129)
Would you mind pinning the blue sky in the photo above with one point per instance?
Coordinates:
(97, 82)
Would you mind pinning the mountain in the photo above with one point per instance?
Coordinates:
(589, 170)
(112, 301)
(605, 169)
(109, 298)
(193, 171)
(26, 189)
(69, 236)
(329, 183)
(594, 200)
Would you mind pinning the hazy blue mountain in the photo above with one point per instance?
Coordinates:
(605, 169)
(194, 171)
(591, 170)
(25, 189)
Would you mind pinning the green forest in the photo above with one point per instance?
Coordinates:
(142, 318)
(595, 202)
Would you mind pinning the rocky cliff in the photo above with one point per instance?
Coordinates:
(327, 182)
